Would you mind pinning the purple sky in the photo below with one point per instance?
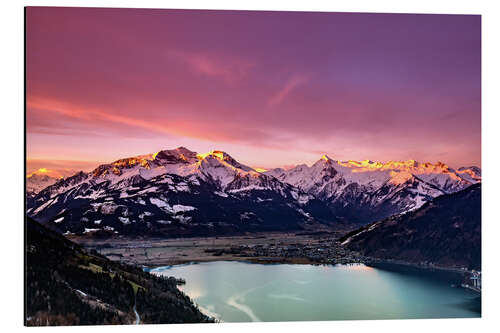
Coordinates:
(270, 88)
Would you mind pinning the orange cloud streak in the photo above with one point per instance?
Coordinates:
(188, 129)
(229, 132)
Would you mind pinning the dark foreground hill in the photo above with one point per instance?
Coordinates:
(65, 285)
(445, 231)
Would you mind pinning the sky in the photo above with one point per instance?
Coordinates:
(269, 88)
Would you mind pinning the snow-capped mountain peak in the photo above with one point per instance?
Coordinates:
(224, 158)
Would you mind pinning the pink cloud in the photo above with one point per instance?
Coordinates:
(230, 69)
(289, 86)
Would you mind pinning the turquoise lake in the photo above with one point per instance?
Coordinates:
(243, 292)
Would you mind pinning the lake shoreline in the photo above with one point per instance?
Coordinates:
(252, 260)
(455, 276)
(378, 263)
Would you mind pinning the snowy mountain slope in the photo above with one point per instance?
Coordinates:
(472, 173)
(176, 192)
(367, 191)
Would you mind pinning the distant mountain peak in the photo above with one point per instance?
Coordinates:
(326, 158)
(33, 176)
(39, 179)
(44, 172)
(410, 165)
(369, 165)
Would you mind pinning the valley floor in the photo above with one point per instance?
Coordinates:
(290, 247)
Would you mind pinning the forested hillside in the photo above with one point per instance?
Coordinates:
(65, 285)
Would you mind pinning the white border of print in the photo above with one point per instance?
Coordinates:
(12, 158)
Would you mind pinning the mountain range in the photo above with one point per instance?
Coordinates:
(367, 191)
(179, 192)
